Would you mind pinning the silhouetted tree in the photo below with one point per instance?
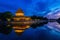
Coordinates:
(5, 26)
(6, 15)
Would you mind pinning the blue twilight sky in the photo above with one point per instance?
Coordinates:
(31, 7)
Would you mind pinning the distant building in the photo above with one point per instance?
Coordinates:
(19, 23)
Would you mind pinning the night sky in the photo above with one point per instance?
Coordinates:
(30, 8)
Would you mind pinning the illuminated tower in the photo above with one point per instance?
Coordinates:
(19, 22)
(19, 13)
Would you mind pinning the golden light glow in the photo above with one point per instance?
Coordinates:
(19, 14)
(21, 18)
(19, 30)
(19, 27)
(27, 26)
(27, 23)
(27, 18)
(16, 19)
